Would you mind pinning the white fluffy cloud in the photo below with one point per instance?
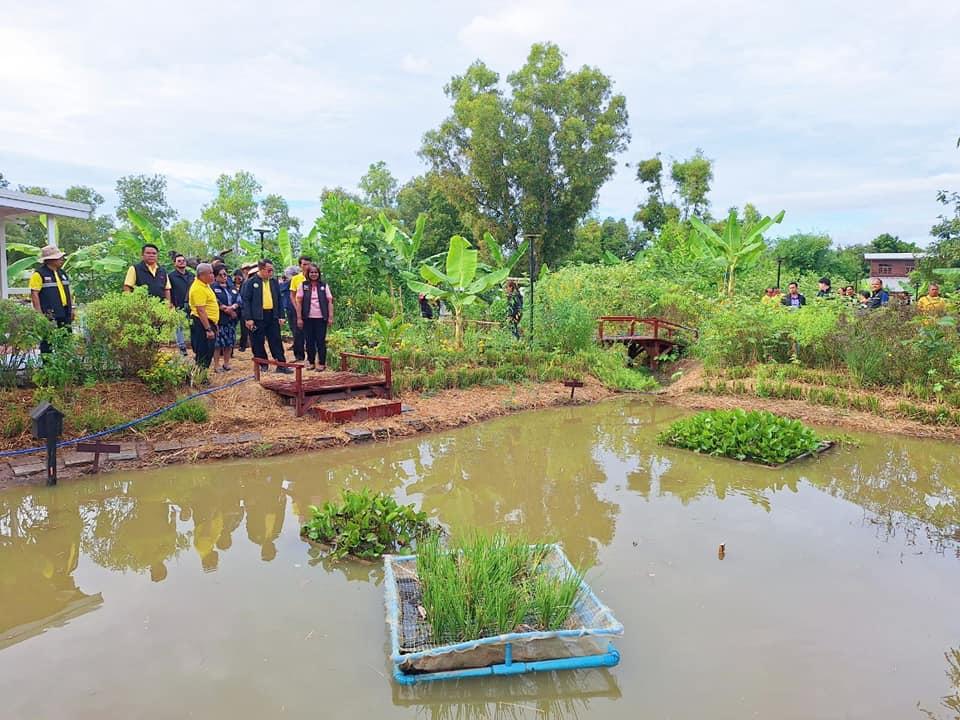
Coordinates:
(843, 114)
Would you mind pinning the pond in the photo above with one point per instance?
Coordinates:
(187, 591)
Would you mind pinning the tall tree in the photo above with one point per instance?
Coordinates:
(692, 178)
(887, 243)
(146, 195)
(533, 160)
(379, 186)
(427, 195)
(276, 215)
(231, 216)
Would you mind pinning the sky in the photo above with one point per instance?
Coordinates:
(845, 115)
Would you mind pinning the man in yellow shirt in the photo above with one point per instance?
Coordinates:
(50, 290)
(298, 336)
(148, 272)
(204, 315)
(931, 303)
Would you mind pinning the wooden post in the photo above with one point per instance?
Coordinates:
(388, 375)
(52, 460)
(298, 379)
(96, 448)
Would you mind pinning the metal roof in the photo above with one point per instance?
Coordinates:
(893, 256)
(18, 203)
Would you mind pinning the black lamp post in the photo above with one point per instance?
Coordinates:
(263, 231)
(533, 266)
(779, 263)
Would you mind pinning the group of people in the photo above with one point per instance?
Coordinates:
(216, 302)
(876, 297)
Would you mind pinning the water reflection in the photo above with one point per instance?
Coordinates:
(553, 474)
(545, 695)
(950, 702)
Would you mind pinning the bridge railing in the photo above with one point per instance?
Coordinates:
(657, 326)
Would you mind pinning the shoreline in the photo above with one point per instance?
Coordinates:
(280, 433)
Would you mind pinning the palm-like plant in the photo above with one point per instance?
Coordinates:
(461, 284)
(736, 248)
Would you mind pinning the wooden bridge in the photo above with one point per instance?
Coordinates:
(327, 386)
(655, 337)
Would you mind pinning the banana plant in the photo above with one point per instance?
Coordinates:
(497, 256)
(390, 330)
(461, 284)
(406, 247)
(94, 258)
(738, 247)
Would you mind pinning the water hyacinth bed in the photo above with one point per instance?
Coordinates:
(755, 436)
(492, 607)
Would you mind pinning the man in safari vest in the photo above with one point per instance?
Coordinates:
(148, 272)
(50, 290)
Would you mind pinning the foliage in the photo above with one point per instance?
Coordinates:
(461, 284)
(167, 373)
(389, 330)
(488, 586)
(21, 330)
(146, 195)
(739, 247)
(691, 179)
(194, 411)
(428, 195)
(757, 436)
(379, 186)
(535, 159)
(563, 324)
(610, 367)
(72, 360)
(365, 524)
(131, 326)
(228, 219)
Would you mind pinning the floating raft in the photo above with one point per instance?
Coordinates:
(584, 641)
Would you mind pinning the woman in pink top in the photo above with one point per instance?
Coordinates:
(314, 308)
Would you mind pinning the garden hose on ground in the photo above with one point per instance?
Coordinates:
(126, 425)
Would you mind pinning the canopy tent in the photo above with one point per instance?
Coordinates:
(18, 204)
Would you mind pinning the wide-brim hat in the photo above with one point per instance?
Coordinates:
(51, 252)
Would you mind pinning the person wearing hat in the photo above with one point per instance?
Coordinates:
(50, 290)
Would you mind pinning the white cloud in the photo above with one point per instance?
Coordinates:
(844, 114)
(415, 64)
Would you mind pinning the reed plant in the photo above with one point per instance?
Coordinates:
(485, 586)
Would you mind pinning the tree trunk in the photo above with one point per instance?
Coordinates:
(458, 328)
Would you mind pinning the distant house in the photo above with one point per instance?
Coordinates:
(893, 268)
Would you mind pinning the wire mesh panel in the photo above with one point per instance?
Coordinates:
(414, 649)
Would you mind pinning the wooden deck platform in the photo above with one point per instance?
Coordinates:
(306, 388)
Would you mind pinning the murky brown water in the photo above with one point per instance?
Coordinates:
(186, 592)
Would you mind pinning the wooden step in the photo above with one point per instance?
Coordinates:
(354, 410)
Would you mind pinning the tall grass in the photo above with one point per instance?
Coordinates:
(486, 586)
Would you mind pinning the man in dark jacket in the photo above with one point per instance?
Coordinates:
(262, 312)
(50, 290)
(793, 298)
(180, 281)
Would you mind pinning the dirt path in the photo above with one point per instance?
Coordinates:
(247, 420)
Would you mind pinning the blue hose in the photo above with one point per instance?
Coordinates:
(126, 425)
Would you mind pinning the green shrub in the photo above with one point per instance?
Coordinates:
(94, 416)
(21, 330)
(193, 411)
(563, 325)
(743, 332)
(758, 436)
(610, 367)
(365, 524)
(168, 372)
(131, 326)
(72, 361)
